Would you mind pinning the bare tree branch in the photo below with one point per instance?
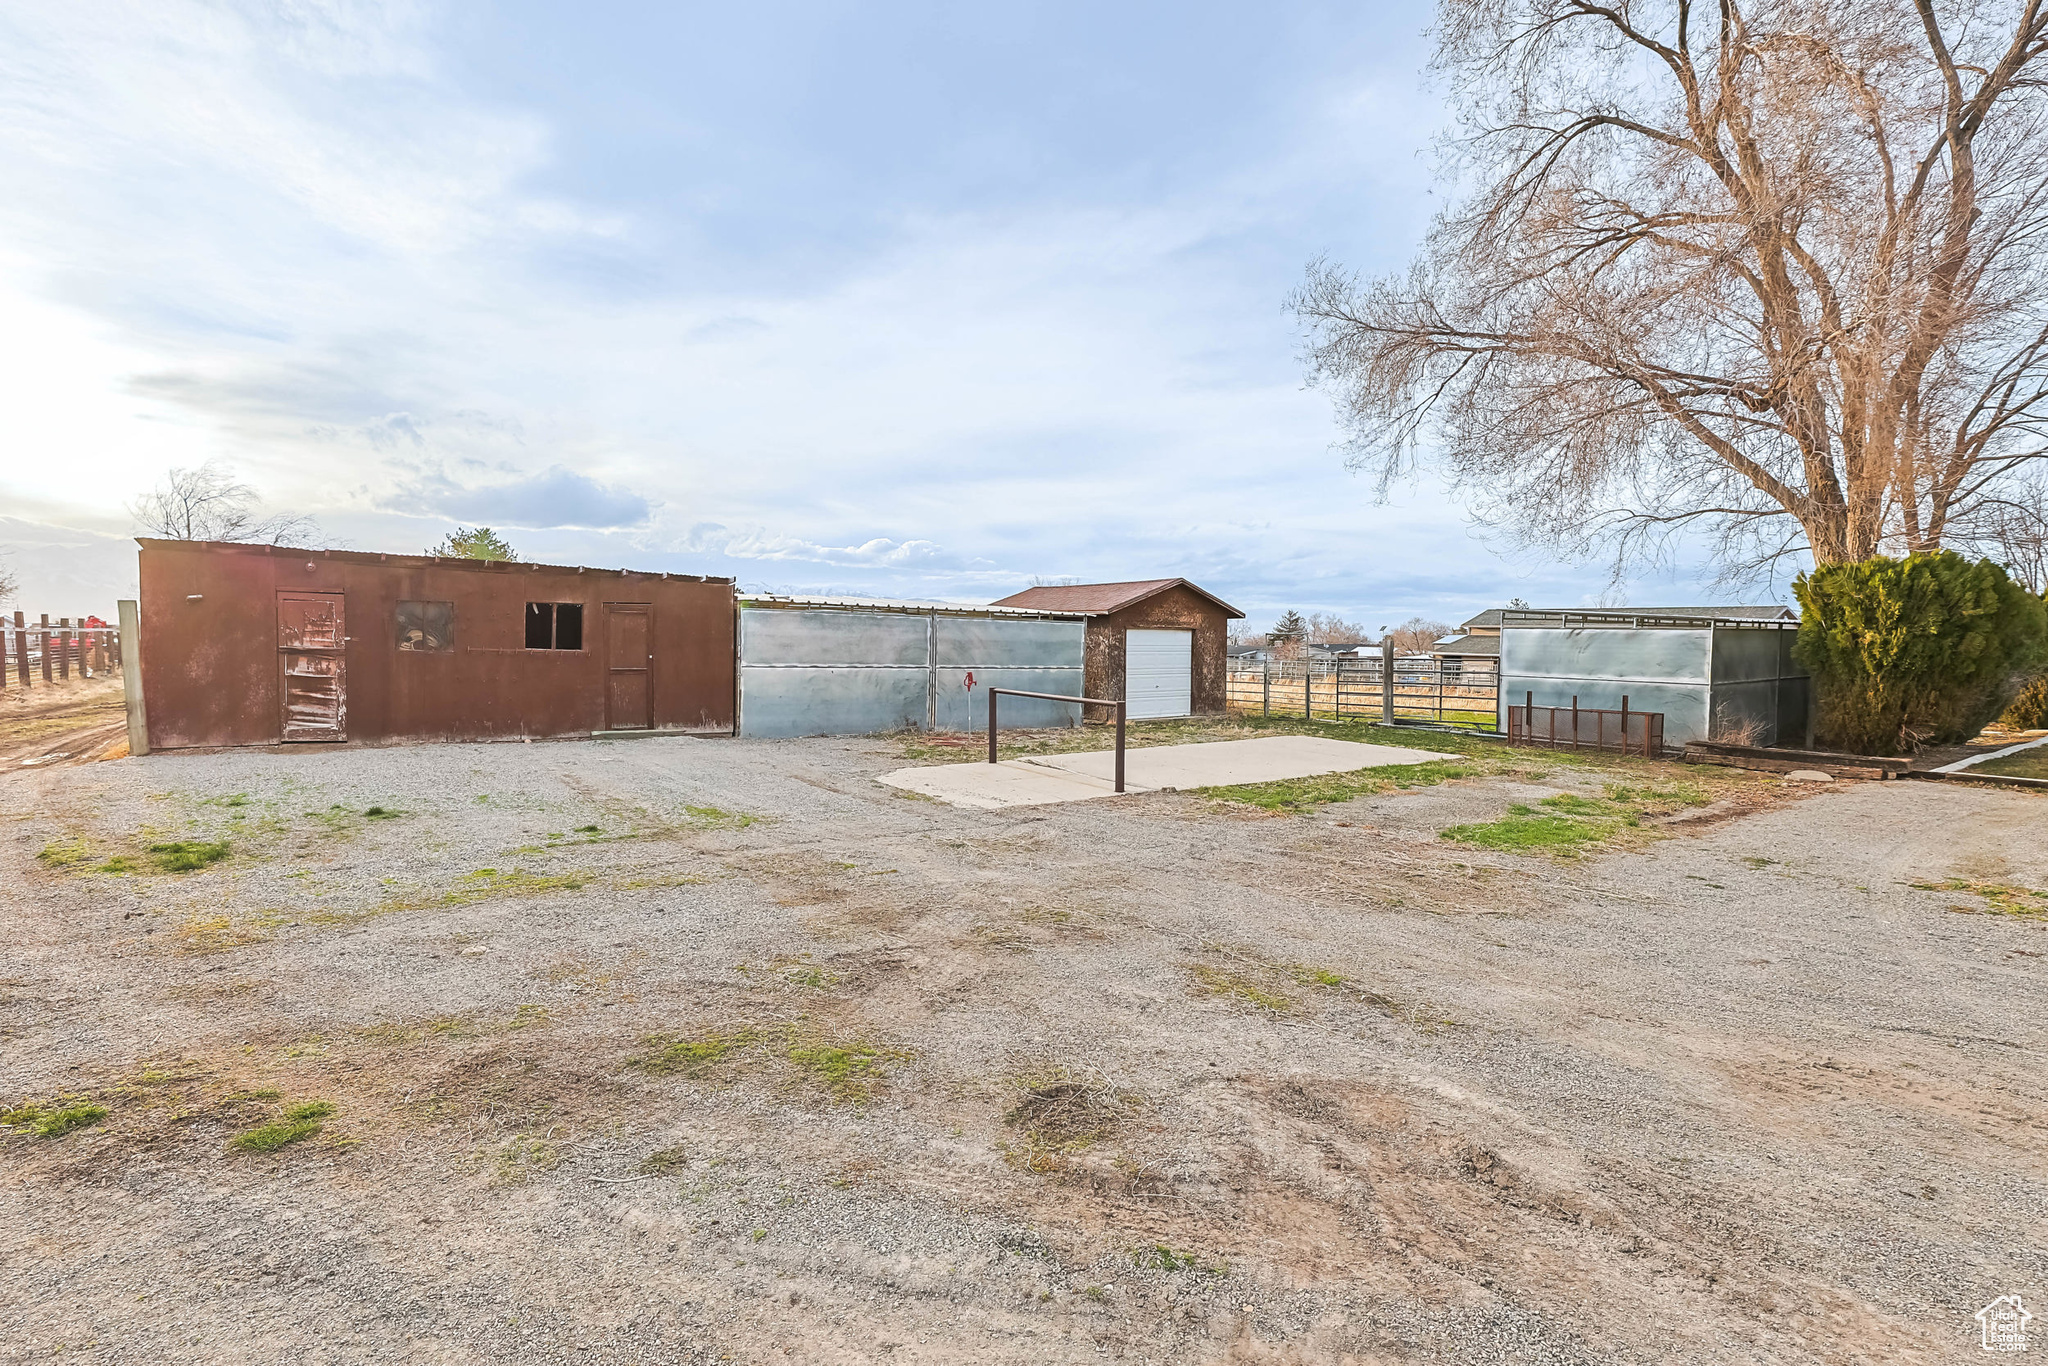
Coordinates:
(1778, 280)
(207, 504)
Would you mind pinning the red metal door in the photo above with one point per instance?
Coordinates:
(311, 636)
(629, 661)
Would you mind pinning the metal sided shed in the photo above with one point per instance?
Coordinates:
(1158, 644)
(855, 666)
(254, 644)
(1713, 673)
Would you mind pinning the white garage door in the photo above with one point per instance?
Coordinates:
(1158, 673)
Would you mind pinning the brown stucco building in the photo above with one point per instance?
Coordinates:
(1159, 644)
(256, 645)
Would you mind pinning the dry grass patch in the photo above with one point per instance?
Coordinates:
(1996, 898)
(1061, 1111)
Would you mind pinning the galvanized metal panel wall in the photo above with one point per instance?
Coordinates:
(843, 671)
(1657, 670)
(1760, 691)
(1001, 652)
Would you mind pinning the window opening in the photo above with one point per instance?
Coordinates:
(426, 626)
(554, 625)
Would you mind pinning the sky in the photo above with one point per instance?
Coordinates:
(914, 301)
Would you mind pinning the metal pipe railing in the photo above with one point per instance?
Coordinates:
(994, 693)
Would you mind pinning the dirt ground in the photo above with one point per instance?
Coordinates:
(707, 1050)
(75, 721)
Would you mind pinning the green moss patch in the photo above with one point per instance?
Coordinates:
(1300, 794)
(1997, 898)
(54, 1119)
(846, 1069)
(63, 853)
(299, 1122)
(185, 856)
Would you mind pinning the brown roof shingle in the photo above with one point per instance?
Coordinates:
(1100, 599)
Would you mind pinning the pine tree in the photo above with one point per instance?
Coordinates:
(481, 543)
(1288, 629)
(1913, 651)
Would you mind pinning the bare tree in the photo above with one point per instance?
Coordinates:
(1418, 634)
(9, 584)
(1773, 271)
(1325, 628)
(208, 504)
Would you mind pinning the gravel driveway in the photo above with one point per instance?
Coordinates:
(709, 1050)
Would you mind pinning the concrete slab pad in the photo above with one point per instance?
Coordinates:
(1078, 777)
(1226, 763)
(991, 787)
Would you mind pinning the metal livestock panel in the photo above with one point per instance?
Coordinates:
(847, 671)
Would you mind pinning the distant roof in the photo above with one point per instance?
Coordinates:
(1467, 645)
(1100, 599)
(897, 605)
(299, 552)
(1492, 615)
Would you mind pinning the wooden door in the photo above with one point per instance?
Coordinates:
(629, 664)
(311, 652)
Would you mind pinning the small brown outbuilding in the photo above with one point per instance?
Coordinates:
(253, 645)
(1159, 644)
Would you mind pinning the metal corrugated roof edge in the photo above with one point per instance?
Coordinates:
(1624, 617)
(965, 609)
(302, 552)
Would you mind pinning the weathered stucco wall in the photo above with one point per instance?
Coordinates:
(211, 672)
(1177, 609)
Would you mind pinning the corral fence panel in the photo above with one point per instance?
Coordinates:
(1442, 692)
(46, 651)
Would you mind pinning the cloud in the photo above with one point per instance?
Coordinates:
(877, 552)
(554, 498)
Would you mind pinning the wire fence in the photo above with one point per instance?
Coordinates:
(1465, 694)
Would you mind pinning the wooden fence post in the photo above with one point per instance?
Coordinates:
(131, 677)
(20, 647)
(48, 663)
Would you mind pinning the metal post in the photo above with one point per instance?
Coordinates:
(1308, 688)
(1387, 681)
(1575, 720)
(991, 725)
(1624, 723)
(1120, 746)
(131, 677)
(1529, 715)
(1267, 703)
